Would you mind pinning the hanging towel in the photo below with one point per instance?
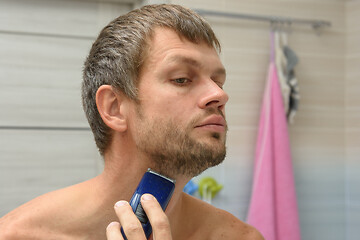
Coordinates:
(292, 81)
(273, 207)
(281, 64)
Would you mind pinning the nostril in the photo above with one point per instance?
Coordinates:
(212, 102)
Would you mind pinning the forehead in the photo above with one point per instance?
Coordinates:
(163, 37)
(167, 45)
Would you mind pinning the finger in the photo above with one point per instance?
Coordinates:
(157, 217)
(113, 231)
(129, 222)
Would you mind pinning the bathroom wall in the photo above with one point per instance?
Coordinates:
(45, 142)
(352, 110)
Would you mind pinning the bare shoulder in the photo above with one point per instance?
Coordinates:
(220, 224)
(21, 223)
(35, 219)
(231, 227)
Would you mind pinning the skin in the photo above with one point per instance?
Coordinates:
(187, 80)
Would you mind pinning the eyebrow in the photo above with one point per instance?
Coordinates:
(193, 62)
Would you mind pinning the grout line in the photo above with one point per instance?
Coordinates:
(49, 35)
(44, 128)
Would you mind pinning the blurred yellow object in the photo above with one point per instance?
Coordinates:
(208, 188)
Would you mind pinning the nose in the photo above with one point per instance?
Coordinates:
(213, 96)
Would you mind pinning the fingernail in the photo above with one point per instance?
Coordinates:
(147, 197)
(120, 203)
(113, 224)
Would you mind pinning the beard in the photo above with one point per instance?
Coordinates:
(174, 152)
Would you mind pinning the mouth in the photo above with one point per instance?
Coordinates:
(215, 123)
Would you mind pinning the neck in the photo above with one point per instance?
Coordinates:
(121, 177)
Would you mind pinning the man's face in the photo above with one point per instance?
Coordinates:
(180, 119)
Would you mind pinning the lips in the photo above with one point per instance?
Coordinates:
(214, 122)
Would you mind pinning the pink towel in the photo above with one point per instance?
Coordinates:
(273, 207)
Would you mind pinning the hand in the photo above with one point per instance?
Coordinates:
(132, 226)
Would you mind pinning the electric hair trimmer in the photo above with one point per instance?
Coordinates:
(157, 185)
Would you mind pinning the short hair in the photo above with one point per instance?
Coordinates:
(117, 55)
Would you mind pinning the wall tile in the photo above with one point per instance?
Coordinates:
(36, 72)
(69, 18)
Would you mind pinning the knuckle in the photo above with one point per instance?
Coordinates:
(161, 224)
(132, 228)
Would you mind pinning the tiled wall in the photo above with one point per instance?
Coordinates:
(45, 143)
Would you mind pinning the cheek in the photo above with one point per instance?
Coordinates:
(169, 104)
(162, 105)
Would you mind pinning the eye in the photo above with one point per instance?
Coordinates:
(181, 81)
(219, 83)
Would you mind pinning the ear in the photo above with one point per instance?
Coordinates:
(112, 107)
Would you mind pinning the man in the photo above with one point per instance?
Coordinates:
(153, 96)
